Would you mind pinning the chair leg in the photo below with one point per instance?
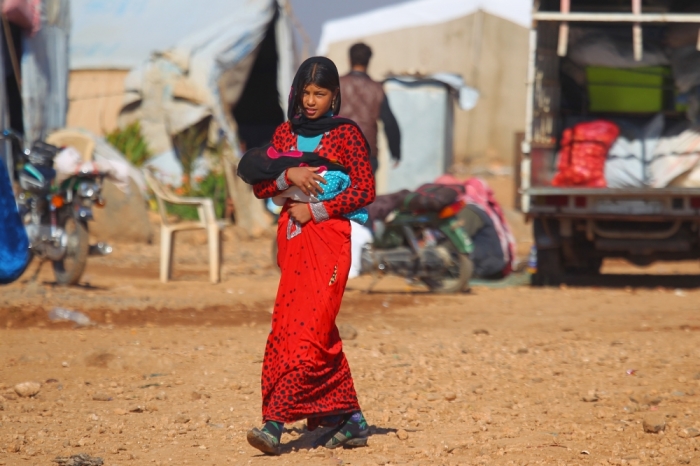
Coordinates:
(214, 236)
(167, 248)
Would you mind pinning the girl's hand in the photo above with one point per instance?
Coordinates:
(300, 212)
(306, 179)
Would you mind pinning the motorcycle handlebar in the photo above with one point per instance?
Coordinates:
(11, 134)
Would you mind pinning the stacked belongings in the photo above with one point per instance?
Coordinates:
(483, 220)
(472, 202)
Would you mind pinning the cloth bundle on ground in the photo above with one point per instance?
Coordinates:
(480, 198)
(433, 197)
(266, 163)
(14, 244)
(384, 205)
(584, 149)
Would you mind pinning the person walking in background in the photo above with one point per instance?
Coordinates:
(305, 373)
(366, 103)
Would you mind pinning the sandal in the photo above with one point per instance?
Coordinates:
(263, 441)
(342, 440)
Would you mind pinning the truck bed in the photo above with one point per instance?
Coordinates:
(637, 204)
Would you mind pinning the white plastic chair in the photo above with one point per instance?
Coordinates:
(207, 221)
(82, 142)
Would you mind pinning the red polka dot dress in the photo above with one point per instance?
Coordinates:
(305, 372)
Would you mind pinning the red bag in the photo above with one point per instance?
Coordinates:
(584, 149)
(24, 13)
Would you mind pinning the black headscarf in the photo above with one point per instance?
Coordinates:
(265, 163)
(300, 123)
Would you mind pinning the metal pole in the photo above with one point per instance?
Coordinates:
(563, 44)
(637, 31)
(529, 112)
(616, 17)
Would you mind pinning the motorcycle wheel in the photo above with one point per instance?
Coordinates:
(460, 271)
(69, 269)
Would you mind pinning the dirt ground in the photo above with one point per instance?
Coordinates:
(169, 373)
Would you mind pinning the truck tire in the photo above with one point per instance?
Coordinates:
(549, 268)
(590, 268)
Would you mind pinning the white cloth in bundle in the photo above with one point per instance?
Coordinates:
(629, 157)
(69, 162)
(675, 159)
(360, 235)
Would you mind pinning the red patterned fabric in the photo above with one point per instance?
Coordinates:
(344, 145)
(305, 372)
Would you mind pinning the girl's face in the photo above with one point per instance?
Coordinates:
(316, 101)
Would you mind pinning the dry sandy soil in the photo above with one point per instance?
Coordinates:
(169, 373)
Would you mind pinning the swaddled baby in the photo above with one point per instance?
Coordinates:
(266, 163)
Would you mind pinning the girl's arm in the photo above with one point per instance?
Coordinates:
(355, 156)
(271, 188)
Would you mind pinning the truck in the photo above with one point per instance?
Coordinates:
(575, 228)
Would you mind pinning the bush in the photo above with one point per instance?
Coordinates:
(130, 142)
(212, 186)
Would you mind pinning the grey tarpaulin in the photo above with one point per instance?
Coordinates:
(45, 72)
(203, 74)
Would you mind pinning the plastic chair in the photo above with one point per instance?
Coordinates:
(207, 221)
(82, 142)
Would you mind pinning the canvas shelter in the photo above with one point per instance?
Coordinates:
(484, 41)
(227, 80)
(196, 67)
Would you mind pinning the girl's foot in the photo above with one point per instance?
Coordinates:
(267, 439)
(353, 433)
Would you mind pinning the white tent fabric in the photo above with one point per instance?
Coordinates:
(203, 74)
(419, 13)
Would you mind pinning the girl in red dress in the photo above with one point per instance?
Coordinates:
(305, 374)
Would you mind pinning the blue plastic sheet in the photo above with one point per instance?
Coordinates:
(14, 244)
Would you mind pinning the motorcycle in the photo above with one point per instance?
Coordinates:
(55, 216)
(429, 247)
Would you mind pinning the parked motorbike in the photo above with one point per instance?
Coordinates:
(55, 216)
(427, 247)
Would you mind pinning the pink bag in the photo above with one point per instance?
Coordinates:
(24, 13)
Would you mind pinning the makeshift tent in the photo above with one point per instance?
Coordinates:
(112, 37)
(484, 41)
(228, 81)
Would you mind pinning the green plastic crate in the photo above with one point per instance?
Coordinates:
(637, 90)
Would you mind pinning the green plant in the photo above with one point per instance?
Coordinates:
(130, 142)
(212, 186)
(189, 145)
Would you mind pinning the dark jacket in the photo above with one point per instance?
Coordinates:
(365, 103)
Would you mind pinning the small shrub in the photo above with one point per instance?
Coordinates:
(212, 186)
(130, 142)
